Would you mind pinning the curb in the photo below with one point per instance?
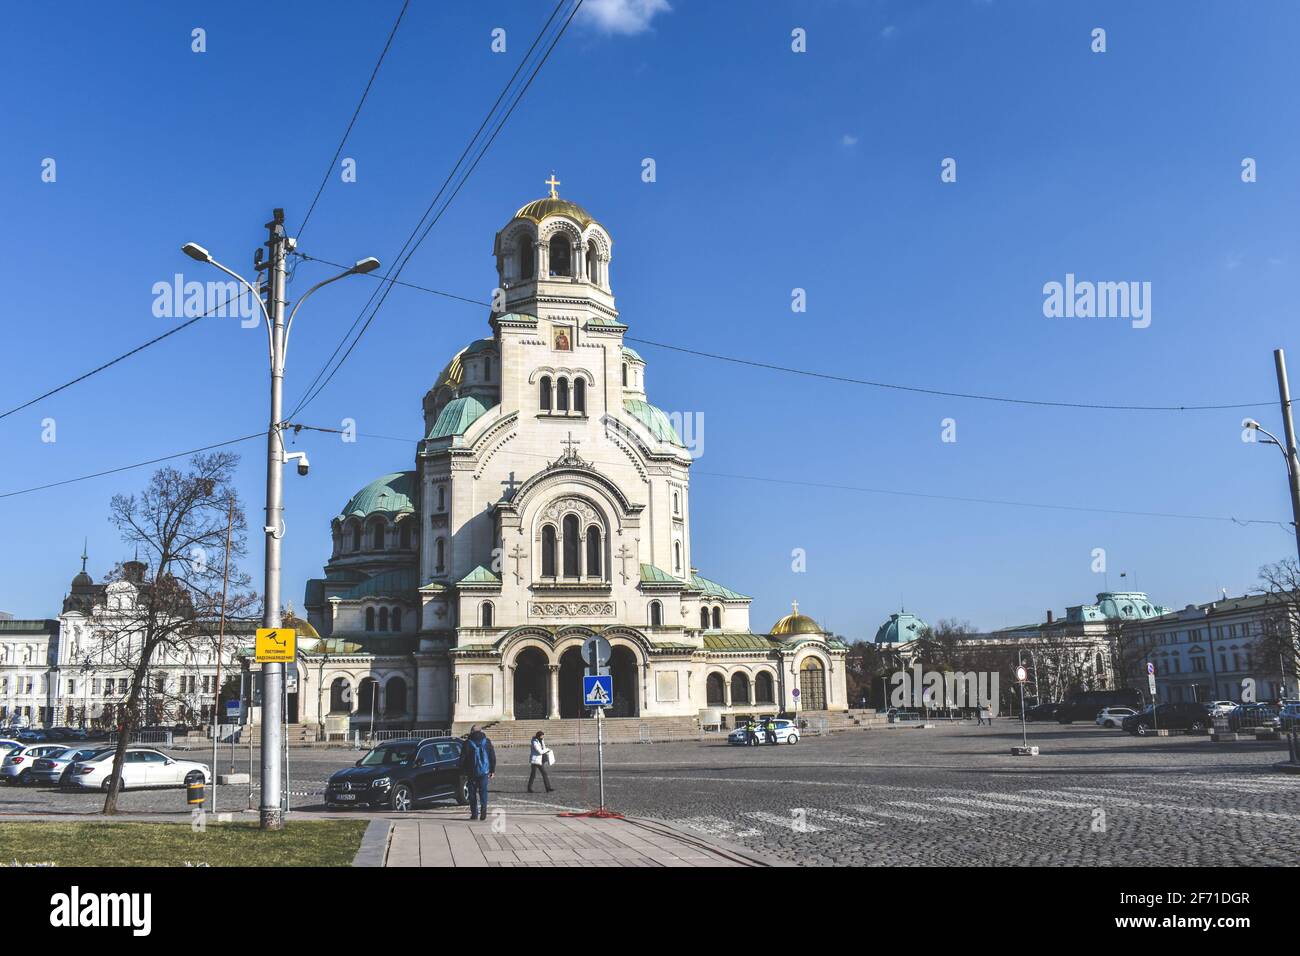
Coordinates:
(373, 851)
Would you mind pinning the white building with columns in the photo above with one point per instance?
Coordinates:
(549, 500)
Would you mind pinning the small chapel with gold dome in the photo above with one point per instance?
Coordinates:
(548, 501)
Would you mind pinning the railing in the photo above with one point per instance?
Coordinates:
(365, 739)
(817, 726)
(161, 738)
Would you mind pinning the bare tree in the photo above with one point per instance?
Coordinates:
(170, 608)
(1280, 585)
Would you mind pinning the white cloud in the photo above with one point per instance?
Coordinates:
(849, 140)
(889, 31)
(623, 16)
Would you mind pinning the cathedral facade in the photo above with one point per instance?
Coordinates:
(549, 501)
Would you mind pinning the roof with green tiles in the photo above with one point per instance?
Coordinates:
(653, 575)
(633, 354)
(457, 416)
(481, 576)
(714, 589)
(391, 494)
(737, 642)
(399, 583)
(654, 419)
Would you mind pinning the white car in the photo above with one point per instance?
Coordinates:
(1113, 716)
(18, 762)
(786, 733)
(141, 768)
(1222, 708)
(52, 769)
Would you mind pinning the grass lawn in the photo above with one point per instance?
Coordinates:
(301, 843)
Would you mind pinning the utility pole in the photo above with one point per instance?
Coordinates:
(270, 814)
(1292, 463)
(221, 641)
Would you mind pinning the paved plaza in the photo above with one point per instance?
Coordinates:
(950, 795)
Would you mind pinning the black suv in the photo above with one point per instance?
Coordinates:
(1185, 715)
(398, 774)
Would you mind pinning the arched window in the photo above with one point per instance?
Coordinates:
(397, 619)
(548, 551)
(704, 618)
(377, 537)
(485, 614)
(487, 370)
(717, 618)
(580, 396)
(677, 503)
(405, 536)
(561, 255)
(592, 264)
(366, 695)
(764, 692)
(440, 554)
(339, 696)
(593, 552)
(656, 614)
(370, 619)
(562, 395)
(625, 375)
(571, 546)
(356, 537)
(545, 399)
(395, 697)
(442, 498)
(526, 257)
(383, 618)
(739, 689)
(677, 557)
(714, 690)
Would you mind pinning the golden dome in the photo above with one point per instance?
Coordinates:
(539, 209)
(795, 623)
(300, 626)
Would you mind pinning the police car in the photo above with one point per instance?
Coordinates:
(786, 733)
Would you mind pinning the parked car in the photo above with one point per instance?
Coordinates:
(1221, 708)
(399, 774)
(1178, 715)
(17, 764)
(1085, 704)
(1045, 711)
(786, 733)
(142, 767)
(1247, 716)
(1289, 717)
(7, 744)
(1113, 716)
(54, 768)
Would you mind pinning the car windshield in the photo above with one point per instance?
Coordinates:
(388, 756)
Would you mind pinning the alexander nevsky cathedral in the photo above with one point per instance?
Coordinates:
(549, 501)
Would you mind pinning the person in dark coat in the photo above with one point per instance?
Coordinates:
(478, 759)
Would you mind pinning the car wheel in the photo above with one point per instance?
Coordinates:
(401, 799)
(25, 779)
(1196, 725)
(1142, 730)
(462, 792)
(792, 739)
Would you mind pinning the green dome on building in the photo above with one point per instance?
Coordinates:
(391, 494)
(456, 417)
(900, 628)
(654, 419)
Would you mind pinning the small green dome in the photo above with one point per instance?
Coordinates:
(900, 628)
(654, 419)
(632, 355)
(391, 494)
(457, 416)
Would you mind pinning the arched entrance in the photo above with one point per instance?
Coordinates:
(812, 685)
(622, 667)
(571, 670)
(530, 678)
(715, 694)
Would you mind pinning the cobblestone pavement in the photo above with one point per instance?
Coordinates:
(949, 795)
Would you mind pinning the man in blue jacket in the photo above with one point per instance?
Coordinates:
(478, 759)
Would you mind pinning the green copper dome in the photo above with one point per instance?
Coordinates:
(900, 628)
(391, 494)
(653, 419)
(457, 416)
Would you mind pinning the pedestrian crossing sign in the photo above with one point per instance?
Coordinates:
(597, 691)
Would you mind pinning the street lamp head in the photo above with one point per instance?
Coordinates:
(1251, 424)
(196, 251)
(368, 264)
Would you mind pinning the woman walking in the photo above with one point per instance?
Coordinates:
(540, 757)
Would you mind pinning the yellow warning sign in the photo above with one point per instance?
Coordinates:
(275, 645)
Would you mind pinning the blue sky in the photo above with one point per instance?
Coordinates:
(775, 170)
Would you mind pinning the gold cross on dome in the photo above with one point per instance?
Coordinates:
(794, 606)
(553, 182)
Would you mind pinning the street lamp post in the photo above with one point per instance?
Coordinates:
(271, 814)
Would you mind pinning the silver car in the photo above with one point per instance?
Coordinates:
(52, 769)
(18, 764)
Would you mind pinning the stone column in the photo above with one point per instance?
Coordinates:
(542, 260)
(508, 691)
(553, 705)
(579, 261)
